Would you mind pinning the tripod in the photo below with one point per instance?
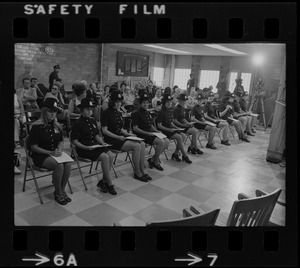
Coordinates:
(258, 99)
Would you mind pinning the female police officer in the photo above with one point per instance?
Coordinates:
(46, 140)
(165, 123)
(85, 134)
(180, 121)
(113, 133)
(142, 124)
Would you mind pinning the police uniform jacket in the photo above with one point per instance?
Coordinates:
(143, 119)
(47, 138)
(243, 104)
(210, 110)
(179, 113)
(85, 130)
(113, 120)
(229, 112)
(236, 106)
(52, 76)
(198, 112)
(165, 117)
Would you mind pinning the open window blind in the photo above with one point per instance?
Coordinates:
(158, 76)
(181, 76)
(209, 78)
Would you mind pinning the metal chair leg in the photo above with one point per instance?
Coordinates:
(114, 171)
(25, 175)
(71, 191)
(82, 178)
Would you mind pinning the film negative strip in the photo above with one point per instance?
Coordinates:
(132, 43)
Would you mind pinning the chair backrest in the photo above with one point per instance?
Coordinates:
(206, 219)
(27, 146)
(253, 211)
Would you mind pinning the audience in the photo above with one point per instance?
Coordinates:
(157, 98)
(128, 99)
(28, 96)
(74, 110)
(18, 115)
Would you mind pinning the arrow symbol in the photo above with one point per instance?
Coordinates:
(192, 261)
(42, 259)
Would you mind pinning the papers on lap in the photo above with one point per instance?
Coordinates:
(253, 114)
(100, 145)
(63, 158)
(132, 138)
(159, 135)
(210, 124)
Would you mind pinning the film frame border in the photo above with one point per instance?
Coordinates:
(253, 253)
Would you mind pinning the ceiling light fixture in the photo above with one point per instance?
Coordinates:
(225, 49)
(169, 49)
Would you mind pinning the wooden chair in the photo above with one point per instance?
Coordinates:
(205, 219)
(29, 166)
(84, 162)
(249, 211)
(268, 213)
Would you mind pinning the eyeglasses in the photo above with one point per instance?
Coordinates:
(52, 111)
(55, 88)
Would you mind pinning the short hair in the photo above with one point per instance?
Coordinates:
(79, 89)
(26, 78)
(123, 84)
(167, 90)
(33, 78)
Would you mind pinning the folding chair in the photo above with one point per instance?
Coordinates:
(89, 163)
(29, 166)
(31, 116)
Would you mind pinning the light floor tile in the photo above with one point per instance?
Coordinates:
(128, 183)
(170, 184)
(81, 201)
(71, 221)
(129, 203)
(151, 192)
(177, 202)
(199, 170)
(196, 193)
(186, 176)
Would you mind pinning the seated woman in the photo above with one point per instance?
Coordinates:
(157, 98)
(128, 99)
(226, 112)
(63, 113)
(240, 115)
(192, 100)
(80, 93)
(165, 123)
(210, 114)
(18, 115)
(113, 133)
(180, 121)
(46, 140)
(142, 124)
(197, 116)
(243, 97)
(85, 134)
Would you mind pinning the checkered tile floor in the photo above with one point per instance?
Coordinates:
(214, 179)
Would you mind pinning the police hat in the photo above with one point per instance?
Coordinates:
(116, 95)
(239, 93)
(144, 96)
(183, 97)
(227, 94)
(59, 80)
(56, 66)
(86, 103)
(206, 89)
(200, 97)
(51, 103)
(238, 79)
(113, 88)
(166, 97)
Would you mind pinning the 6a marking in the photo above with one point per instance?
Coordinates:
(58, 259)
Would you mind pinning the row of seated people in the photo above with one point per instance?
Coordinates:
(46, 137)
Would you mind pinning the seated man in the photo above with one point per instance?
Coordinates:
(226, 113)
(209, 110)
(181, 122)
(39, 92)
(198, 117)
(28, 96)
(142, 124)
(240, 115)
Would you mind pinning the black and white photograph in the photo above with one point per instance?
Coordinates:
(150, 134)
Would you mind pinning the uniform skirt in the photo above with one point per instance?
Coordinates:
(229, 121)
(200, 126)
(93, 154)
(147, 139)
(116, 144)
(169, 134)
(38, 159)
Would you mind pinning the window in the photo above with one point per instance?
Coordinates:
(181, 77)
(158, 76)
(232, 84)
(209, 78)
(246, 81)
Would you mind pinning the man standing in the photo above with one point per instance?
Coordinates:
(239, 87)
(190, 83)
(54, 75)
(221, 86)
